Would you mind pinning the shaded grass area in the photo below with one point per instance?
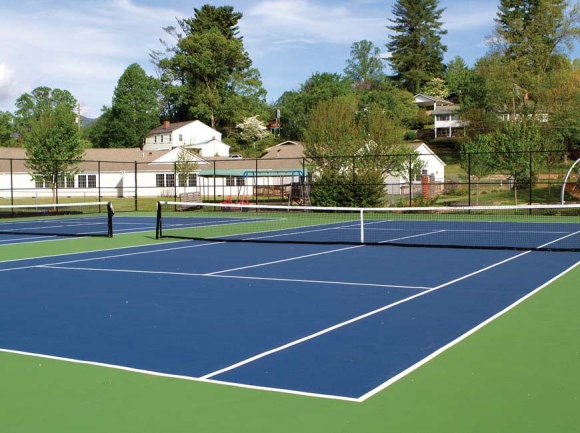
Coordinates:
(518, 374)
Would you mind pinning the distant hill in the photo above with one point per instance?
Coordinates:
(86, 122)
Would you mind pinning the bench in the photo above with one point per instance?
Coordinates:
(189, 197)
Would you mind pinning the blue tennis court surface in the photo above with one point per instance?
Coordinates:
(339, 321)
(35, 230)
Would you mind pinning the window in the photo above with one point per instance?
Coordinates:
(443, 117)
(235, 181)
(162, 138)
(155, 139)
(170, 179)
(192, 179)
(66, 181)
(163, 180)
(180, 137)
(87, 180)
(39, 182)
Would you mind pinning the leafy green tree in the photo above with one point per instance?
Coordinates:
(296, 106)
(30, 106)
(203, 75)
(133, 113)
(478, 159)
(365, 67)
(517, 147)
(398, 103)
(52, 141)
(7, 129)
(350, 153)
(416, 48)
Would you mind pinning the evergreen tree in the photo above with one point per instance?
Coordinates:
(416, 48)
(529, 35)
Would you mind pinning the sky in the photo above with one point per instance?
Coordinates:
(85, 46)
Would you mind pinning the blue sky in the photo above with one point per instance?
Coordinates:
(84, 46)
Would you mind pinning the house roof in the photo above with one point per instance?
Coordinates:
(123, 159)
(423, 100)
(448, 109)
(170, 127)
(419, 146)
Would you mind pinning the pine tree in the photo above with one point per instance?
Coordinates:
(529, 34)
(416, 48)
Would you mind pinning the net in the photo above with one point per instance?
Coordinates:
(71, 219)
(532, 227)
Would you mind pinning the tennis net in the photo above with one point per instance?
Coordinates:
(531, 227)
(70, 219)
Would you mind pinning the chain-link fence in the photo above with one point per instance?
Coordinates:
(423, 178)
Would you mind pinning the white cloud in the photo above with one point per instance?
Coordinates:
(8, 85)
(279, 22)
(84, 49)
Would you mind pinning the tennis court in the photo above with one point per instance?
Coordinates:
(333, 320)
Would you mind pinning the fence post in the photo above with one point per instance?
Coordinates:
(531, 177)
(175, 181)
(11, 184)
(99, 178)
(469, 179)
(136, 205)
(410, 180)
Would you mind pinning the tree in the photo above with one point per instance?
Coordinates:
(365, 67)
(133, 113)
(416, 48)
(203, 73)
(252, 129)
(529, 35)
(436, 87)
(7, 129)
(185, 164)
(517, 147)
(350, 152)
(296, 106)
(478, 159)
(52, 137)
(30, 106)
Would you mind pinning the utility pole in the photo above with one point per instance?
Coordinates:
(79, 122)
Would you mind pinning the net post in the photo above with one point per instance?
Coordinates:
(158, 226)
(110, 213)
(362, 226)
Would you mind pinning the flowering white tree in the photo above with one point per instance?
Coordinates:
(252, 129)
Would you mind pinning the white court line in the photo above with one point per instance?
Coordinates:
(102, 257)
(285, 260)
(177, 376)
(353, 320)
(412, 236)
(459, 339)
(234, 277)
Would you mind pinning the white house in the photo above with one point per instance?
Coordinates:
(445, 115)
(193, 134)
